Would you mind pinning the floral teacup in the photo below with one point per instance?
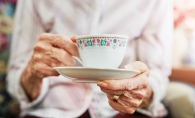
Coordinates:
(101, 50)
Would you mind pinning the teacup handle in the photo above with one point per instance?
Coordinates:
(78, 59)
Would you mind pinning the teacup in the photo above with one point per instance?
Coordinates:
(101, 50)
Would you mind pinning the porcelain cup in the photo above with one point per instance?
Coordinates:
(101, 50)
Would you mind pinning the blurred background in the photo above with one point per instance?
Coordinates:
(9, 108)
(184, 37)
(183, 60)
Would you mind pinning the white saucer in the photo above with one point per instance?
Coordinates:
(82, 74)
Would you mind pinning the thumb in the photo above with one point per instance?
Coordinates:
(128, 83)
(138, 66)
(73, 38)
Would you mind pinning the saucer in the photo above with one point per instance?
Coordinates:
(83, 74)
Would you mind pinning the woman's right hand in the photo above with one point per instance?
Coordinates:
(51, 50)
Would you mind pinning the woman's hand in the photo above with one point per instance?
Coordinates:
(51, 50)
(126, 95)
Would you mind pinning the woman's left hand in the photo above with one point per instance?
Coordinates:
(126, 95)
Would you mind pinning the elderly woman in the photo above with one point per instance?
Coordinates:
(42, 40)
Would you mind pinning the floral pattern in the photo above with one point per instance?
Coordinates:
(9, 108)
(101, 42)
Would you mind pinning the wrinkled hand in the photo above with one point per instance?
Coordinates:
(51, 50)
(132, 92)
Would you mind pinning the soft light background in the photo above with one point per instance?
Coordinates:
(184, 34)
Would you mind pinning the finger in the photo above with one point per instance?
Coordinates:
(125, 101)
(138, 66)
(61, 41)
(65, 43)
(62, 56)
(116, 106)
(45, 70)
(137, 82)
(138, 94)
(134, 102)
(122, 113)
(41, 46)
(45, 58)
(73, 38)
(49, 54)
(132, 94)
(120, 108)
(116, 92)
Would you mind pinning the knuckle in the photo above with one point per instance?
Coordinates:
(128, 85)
(142, 66)
(110, 96)
(130, 110)
(66, 43)
(57, 41)
(103, 90)
(136, 105)
(145, 82)
(53, 54)
(110, 103)
(128, 94)
(58, 36)
(38, 47)
(119, 92)
(43, 36)
(138, 95)
(53, 51)
(37, 67)
(115, 86)
(37, 58)
(62, 56)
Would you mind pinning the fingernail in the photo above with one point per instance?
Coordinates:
(102, 84)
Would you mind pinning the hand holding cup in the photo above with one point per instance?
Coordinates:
(51, 50)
